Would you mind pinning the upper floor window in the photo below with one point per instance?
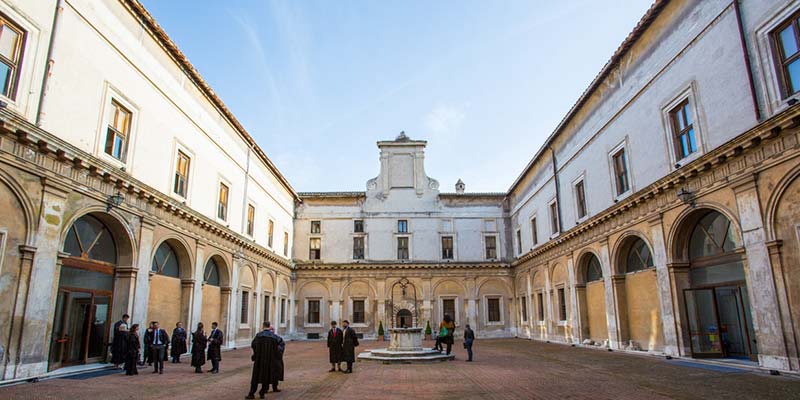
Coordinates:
(402, 248)
(519, 241)
(119, 129)
(787, 44)
(402, 226)
(683, 130)
(316, 227)
(222, 203)
(447, 247)
(534, 231)
(270, 231)
(358, 226)
(491, 247)
(554, 217)
(621, 181)
(181, 183)
(286, 244)
(251, 219)
(580, 199)
(358, 248)
(314, 249)
(11, 38)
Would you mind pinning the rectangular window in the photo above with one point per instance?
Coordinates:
(266, 308)
(402, 226)
(358, 312)
(493, 310)
(524, 305)
(358, 226)
(519, 241)
(181, 183)
(562, 305)
(245, 311)
(540, 305)
(620, 160)
(283, 311)
(316, 227)
(449, 308)
(270, 231)
(554, 217)
(286, 244)
(11, 40)
(358, 248)
(222, 204)
(313, 311)
(491, 247)
(402, 248)
(787, 45)
(580, 199)
(534, 231)
(447, 247)
(119, 128)
(251, 218)
(683, 130)
(315, 249)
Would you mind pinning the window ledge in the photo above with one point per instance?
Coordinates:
(312, 325)
(495, 323)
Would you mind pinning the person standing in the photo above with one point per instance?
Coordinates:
(335, 347)
(159, 348)
(132, 346)
(349, 344)
(178, 343)
(278, 376)
(148, 344)
(267, 364)
(215, 348)
(118, 343)
(446, 330)
(199, 342)
(469, 337)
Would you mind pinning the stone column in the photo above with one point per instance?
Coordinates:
(548, 295)
(199, 280)
(427, 297)
(26, 264)
(621, 306)
(761, 282)
(124, 290)
(226, 294)
(144, 262)
(575, 325)
(529, 299)
(774, 248)
(679, 280)
(234, 305)
(291, 312)
(187, 297)
(663, 286)
(381, 305)
(611, 304)
(276, 311)
(472, 310)
(259, 295)
(336, 302)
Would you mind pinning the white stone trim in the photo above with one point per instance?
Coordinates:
(687, 92)
(769, 78)
(622, 145)
(580, 179)
(177, 146)
(110, 93)
(455, 246)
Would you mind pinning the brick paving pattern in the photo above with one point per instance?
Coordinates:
(503, 369)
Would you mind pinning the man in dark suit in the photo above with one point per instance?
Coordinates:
(215, 347)
(335, 347)
(159, 348)
(349, 344)
(469, 337)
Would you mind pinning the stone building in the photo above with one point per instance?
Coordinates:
(660, 216)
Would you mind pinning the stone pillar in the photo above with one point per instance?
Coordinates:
(548, 295)
(427, 297)
(187, 297)
(226, 294)
(336, 302)
(291, 311)
(381, 305)
(143, 265)
(472, 310)
(259, 295)
(574, 330)
(199, 280)
(679, 280)
(276, 311)
(611, 304)
(124, 291)
(38, 294)
(26, 264)
(232, 330)
(529, 296)
(761, 282)
(621, 307)
(663, 286)
(774, 248)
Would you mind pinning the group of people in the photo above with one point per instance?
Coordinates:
(126, 346)
(342, 345)
(447, 329)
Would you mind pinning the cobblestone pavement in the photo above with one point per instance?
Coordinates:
(503, 369)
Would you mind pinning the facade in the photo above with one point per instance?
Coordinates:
(661, 215)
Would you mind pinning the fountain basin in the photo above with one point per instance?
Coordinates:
(405, 347)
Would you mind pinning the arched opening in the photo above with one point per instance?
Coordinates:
(170, 284)
(717, 302)
(636, 291)
(404, 319)
(592, 299)
(82, 316)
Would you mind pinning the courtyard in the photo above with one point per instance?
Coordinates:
(503, 369)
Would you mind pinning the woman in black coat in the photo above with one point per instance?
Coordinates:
(178, 345)
(199, 343)
(132, 351)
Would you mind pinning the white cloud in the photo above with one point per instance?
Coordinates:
(444, 121)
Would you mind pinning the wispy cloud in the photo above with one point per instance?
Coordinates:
(444, 122)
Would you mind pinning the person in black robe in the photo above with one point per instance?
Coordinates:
(132, 351)
(118, 343)
(215, 348)
(178, 345)
(349, 344)
(148, 344)
(335, 347)
(278, 375)
(199, 342)
(266, 362)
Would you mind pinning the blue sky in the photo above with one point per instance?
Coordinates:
(317, 83)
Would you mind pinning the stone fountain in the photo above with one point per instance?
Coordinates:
(405, 347)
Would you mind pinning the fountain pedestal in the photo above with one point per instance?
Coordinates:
(405, 347)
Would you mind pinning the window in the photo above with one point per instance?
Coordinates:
(493, 310)
(402, 226)
(11, 38)
(449, 308)
(222, 205)
(315, 249)
(491, 247)
(540, 305)
(639, 257)
(447, 247)
(119, 128)
(593, 271)
(316, 227)
(534, 231)
(358, 226)
(270, 231)
(580, 199)
(620, 161)
(313, 311)
(251, 217)
(519, 241)
(358, 312)
(283, 311)
(181, 183)
(554, 217)
(266, 308)
(787, 45)
(562, 305)
(286, 244)
(165, 261)
(683, 130)
(524, 306)
(402, 248)
(358, 248)
(211, 273)
(245, 311)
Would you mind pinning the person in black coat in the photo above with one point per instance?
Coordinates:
(469, 338)
(335, 347)
(132, 351)
(267, 364)
(199, 342)
(349, 344)
(148, 344)
(215, 348)
(158, 348)
(118, 343)
(178, 343)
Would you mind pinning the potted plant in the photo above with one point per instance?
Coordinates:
(380, 331)
(428, 331)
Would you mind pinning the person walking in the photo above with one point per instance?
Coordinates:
(118, 343)
(199, 343)
(178, 343)
(349, 344)
(278, 375)
(159, 348)
(335, 347)
(215, 348)
(132, 346)
(266, 364)
(469, 338)
(445, 335)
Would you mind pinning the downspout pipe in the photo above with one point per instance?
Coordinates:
(48, 69)
(748, 65)
(558, 190)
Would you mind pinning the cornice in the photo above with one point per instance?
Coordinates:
(395, 266)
